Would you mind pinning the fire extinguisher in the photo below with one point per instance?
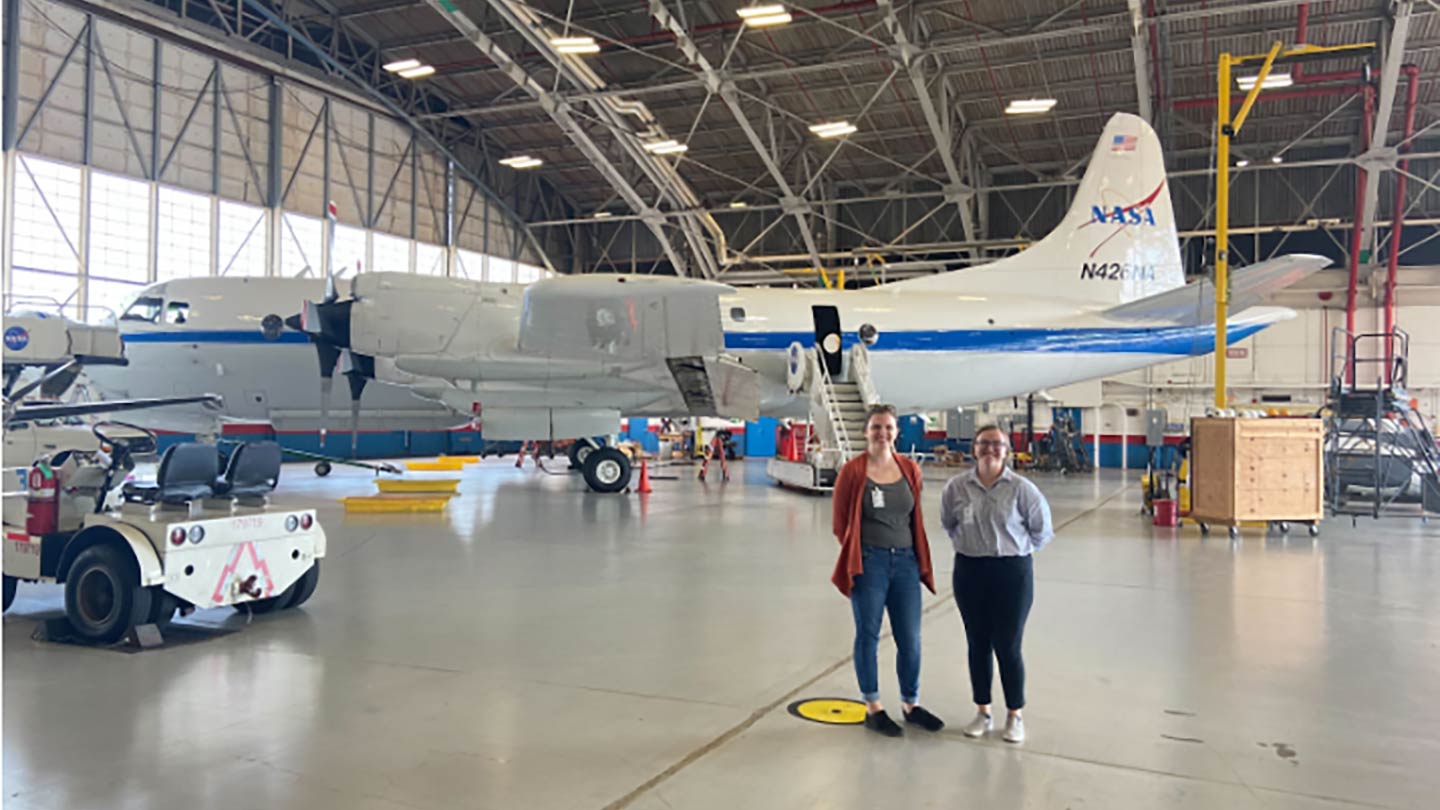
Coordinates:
(42, 512)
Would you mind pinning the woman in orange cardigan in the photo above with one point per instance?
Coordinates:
(884, 557)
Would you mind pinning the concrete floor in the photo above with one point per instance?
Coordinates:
(539, 647)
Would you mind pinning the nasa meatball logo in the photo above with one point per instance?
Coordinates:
(16, 338)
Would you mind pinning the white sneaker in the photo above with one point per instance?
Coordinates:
(977, 727)
(1014, 729)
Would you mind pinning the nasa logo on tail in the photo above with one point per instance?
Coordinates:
(1117, 215)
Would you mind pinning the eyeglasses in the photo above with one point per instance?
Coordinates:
(990, 444)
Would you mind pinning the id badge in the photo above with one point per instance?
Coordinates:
(877, 498)
(969, 513)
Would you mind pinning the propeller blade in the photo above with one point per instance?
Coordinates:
(359, 370)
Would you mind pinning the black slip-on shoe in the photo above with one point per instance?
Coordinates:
(918, 716)
(881, 722)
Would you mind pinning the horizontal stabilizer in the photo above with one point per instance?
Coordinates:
(1195, 303)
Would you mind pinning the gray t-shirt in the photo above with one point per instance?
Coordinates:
(885, 514)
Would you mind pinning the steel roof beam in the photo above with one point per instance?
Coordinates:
(716, 83)
(958, 191)
(1379, 157)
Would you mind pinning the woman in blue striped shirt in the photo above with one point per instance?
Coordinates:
(996, 520)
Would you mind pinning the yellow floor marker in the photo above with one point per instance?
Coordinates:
(830, 711)
(438, 465)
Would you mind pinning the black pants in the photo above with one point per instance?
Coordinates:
(994, 595)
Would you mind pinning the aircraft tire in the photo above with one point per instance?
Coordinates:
(579, 450)
(607, 470)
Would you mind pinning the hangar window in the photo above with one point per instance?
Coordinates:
(184, 249)
(46, 231)
(429, 259)
(737, 314)
(242, 239)
(145, 309)
(300, 238)
(392, 253)
(178, 312)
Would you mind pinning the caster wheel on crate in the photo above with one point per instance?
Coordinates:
(1234, 532)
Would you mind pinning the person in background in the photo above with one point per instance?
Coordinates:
(884, 557)
(996, 521)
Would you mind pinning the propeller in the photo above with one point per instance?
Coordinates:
(327, 323)
(359, 370)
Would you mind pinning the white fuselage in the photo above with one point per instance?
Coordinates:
(935, 350)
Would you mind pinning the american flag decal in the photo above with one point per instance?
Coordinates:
(1124, 143)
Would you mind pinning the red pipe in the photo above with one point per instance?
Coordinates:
(1301, 23)
(1397, 216)
(1352, 289)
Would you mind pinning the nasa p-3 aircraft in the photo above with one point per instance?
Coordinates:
(566, 357)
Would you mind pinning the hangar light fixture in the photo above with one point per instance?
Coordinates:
(418, 72)
(738, 204)
(403, 64)
(1242, 163)
(833, 129)
(1271, 82)
(1277, 159)
(1030, 106)
(521, 162)
(575, 45)
(665, 147)
(764, 16)
(602, 215)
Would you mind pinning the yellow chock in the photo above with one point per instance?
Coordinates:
(392, 486)
(386, 503)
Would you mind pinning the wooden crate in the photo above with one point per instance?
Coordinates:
(1257, 469)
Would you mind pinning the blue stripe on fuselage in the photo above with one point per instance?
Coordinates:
(214, 336)
(1176, 340)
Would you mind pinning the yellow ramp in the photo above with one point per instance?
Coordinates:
(438, 465)
(391, 486)
(391, 503)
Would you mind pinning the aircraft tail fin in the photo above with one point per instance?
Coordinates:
(1116, 244)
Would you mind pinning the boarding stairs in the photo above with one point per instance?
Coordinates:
(1381, 458)
(838, 409)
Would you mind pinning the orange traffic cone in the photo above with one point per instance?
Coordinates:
(644, 488)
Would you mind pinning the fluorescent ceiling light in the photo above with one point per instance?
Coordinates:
(666, 147)
(418, 72)
(521, 162)
(1242, 163)
(738, 204)
(1277, 159)
(403, 64)
(601, 214)
(765, 22)
(1272, 81)
(575, 44)
(763, 16)
(1030, 106)
(833, 129)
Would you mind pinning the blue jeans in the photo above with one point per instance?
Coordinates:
(891, 579)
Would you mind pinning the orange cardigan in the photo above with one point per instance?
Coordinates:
(849, 488)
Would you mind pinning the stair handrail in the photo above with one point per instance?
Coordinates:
(860, 371)
(822, 395)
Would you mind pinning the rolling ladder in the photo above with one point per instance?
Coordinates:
(837, 412)
(1380, 457)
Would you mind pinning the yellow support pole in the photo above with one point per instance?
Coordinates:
(1255, 91)
(1222, 225)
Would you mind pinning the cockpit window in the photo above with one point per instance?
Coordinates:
(177, 312)
(144, 309)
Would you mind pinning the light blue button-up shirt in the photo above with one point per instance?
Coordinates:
(1008, 519)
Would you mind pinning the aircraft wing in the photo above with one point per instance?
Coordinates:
(1195, 303)
(23, 412)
